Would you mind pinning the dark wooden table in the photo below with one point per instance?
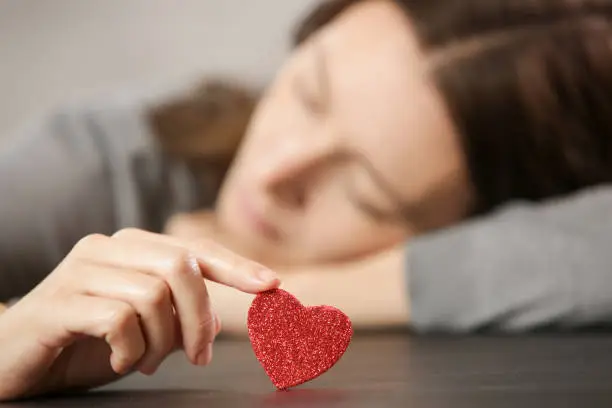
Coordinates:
(385, 371)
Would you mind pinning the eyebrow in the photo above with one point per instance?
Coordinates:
(322, 74)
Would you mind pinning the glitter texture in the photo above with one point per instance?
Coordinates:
(293, 343)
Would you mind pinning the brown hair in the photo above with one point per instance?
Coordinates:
(528, 84)
(204, 127)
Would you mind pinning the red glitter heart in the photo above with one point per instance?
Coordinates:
(293, 343)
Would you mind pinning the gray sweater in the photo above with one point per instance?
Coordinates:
(524, 267)
(98, 169)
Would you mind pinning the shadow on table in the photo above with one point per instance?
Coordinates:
(187, 398)
(307, 397)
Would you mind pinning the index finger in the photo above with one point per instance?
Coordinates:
(216, 262)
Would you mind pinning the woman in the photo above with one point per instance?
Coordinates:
(389, 121)
(507, 101)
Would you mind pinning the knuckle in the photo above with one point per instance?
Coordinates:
(126, 233)
(122, 319)
(182, 263)
(158, 294)
(88, 242)
(177, 221)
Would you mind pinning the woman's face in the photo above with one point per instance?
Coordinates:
(350, 150)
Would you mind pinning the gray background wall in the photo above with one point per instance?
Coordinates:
(57, 51)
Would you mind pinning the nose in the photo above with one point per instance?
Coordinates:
(293, 168)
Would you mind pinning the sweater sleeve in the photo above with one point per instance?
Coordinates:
(524, 267)
(76, 172)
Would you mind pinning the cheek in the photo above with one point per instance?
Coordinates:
(345, 239)
(334, 231)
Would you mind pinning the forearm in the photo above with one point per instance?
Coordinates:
(373, 292)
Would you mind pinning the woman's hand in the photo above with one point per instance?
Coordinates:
(118, 304)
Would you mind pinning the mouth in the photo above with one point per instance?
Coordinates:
(256, 219)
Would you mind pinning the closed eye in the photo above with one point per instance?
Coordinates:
(372, 211)
(377, 214)
(395, 211)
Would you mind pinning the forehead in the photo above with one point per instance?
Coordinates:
(383, 101)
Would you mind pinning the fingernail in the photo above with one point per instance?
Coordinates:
(205, 355)
(265, 275)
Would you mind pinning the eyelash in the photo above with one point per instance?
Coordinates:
(375, 213)
(371, 211)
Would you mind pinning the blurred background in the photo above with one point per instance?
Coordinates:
(54, 52)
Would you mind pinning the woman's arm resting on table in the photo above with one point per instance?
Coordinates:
(371, 291)
(524, 267)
